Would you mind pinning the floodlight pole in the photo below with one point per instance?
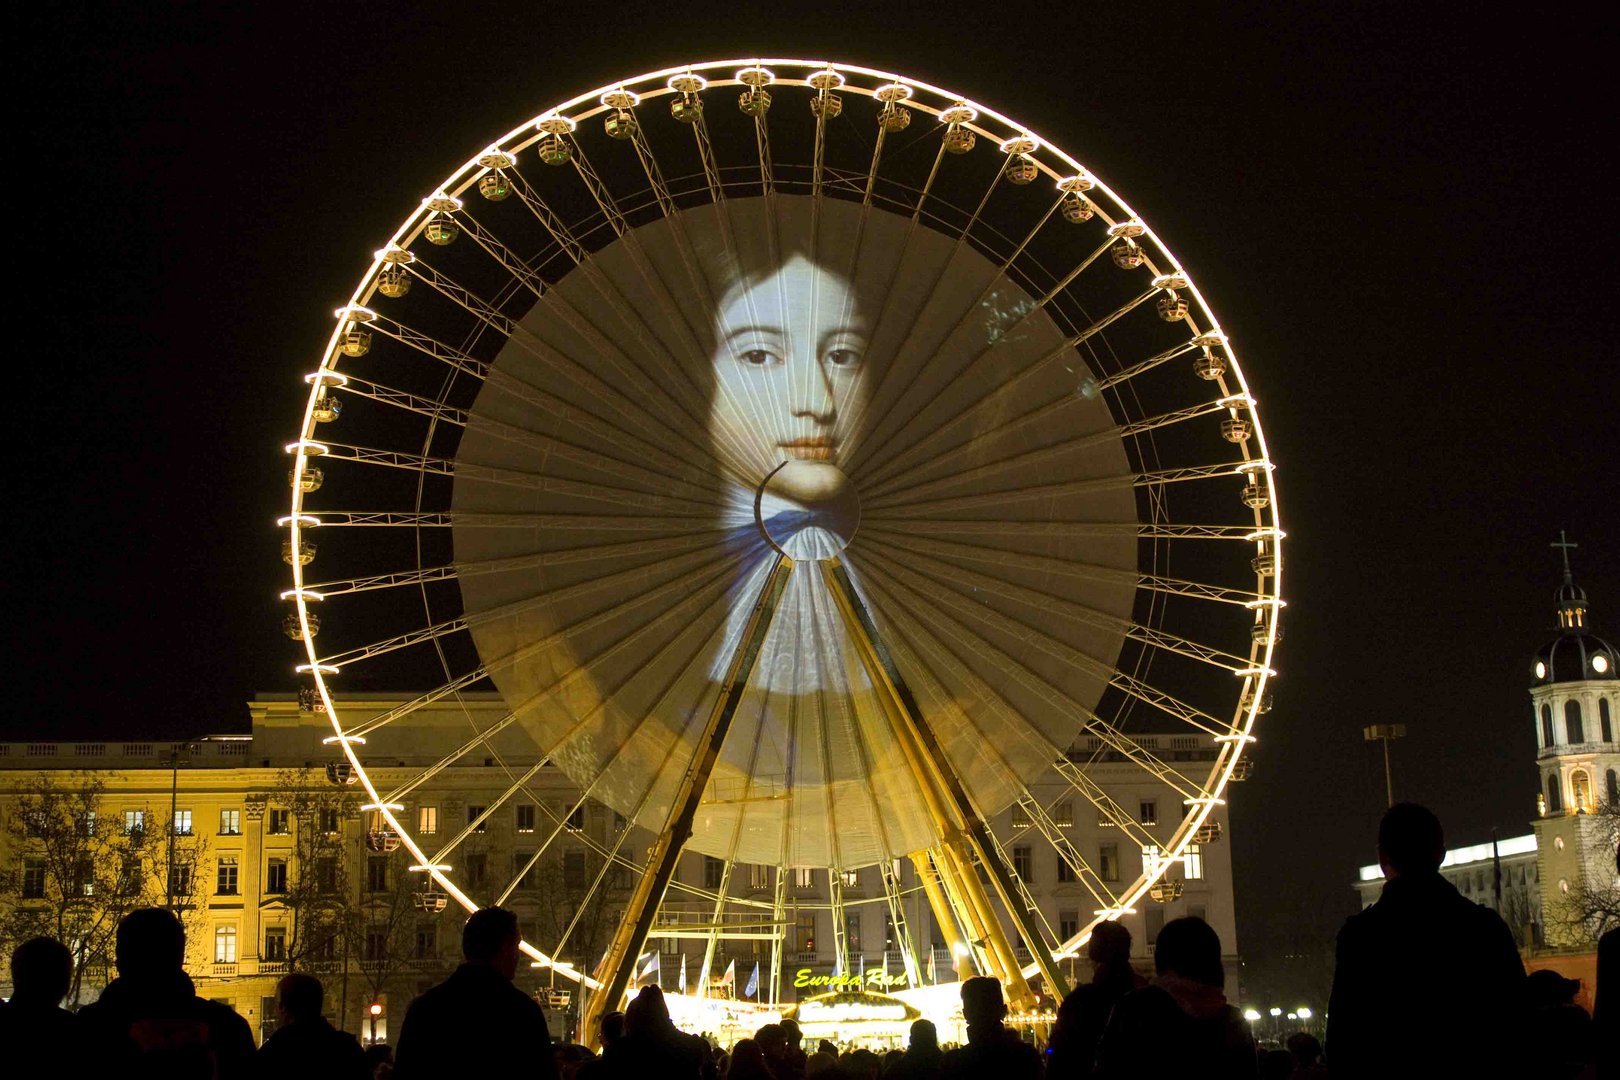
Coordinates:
(1384, 733)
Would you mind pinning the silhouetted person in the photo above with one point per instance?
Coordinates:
(1181, 1025)
(654, 1046)
(380, 1061)
(476, 1018)
(992, 1050)
(748, 1062)
(1084, 1013)
(1560, 1036)
(305, 1045)
(794, 1061)
(1307, 1053)
(923, 1059)
(34, 1028)
(611, 1030)
(1606, 1000)
(1426, 983)
(150, 1023)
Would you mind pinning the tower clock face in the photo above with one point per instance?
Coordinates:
(1541, 670)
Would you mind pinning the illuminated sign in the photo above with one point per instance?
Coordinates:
(876, 979)
(852, 1007)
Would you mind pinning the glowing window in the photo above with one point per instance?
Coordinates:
(1580, 791)
(1573, 728)
(427, 820)
(1546, 725)
(225, 943)
(1193, 863)
(1605, 728)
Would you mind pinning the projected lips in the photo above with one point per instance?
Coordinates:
(731, 384)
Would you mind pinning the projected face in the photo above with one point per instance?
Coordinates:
(790, 369)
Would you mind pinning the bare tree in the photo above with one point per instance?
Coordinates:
(321, 897)
(76, 872)
(386, 925)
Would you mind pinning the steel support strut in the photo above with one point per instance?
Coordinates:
(631, 936)
(967, 837)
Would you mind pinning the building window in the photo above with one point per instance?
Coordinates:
(1192, 863)
(1150, 858)
(280, 822)
(852, 933)
(180, 880)
(1572, 722)
(376, 873)
(427, 820)
(850, 879)
(574, 869)
(1612, 789)
(805, 934)
(576, 818)
(475, 818)
(1065, 872)
(803, 877)
(759, 876)
(134, 822)
(182, 823)
(1154, 916)
(525, 817)
(225, 882)
(275, 944)
(1580, 792)
(1108, 862)
(477, 864)
(33, 879)
(1024, 862)
(1147, 812)
(713, 870)
(225, 943)
(1063, 814)
(230, 823)
(1555, 797)
(376, 947)
(1546, 725)
(326, 874)
(1068, 924)
(1605, 728)
(329, 821)
(426, 946)
(275, 876)
(523, 869)
(1020, 817)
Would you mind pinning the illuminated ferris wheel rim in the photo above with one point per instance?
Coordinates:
(1011, 138)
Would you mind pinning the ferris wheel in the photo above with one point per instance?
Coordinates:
(813, 460)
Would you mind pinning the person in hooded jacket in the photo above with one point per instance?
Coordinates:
(1181, 1025)
(149, 1023)
(653, 1046)
(1085, 1011)
(992, 1050)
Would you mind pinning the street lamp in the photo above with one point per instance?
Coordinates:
(1384, 733)
(1276, 1012)
(376, 1011)
(1251, 1015)
(1304, 1013)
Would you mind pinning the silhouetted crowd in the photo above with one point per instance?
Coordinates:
(1426, 984)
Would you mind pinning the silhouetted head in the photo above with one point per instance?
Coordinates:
(379, 1054)
(41, 971)
(299, 997)
(772, 1040)
(491, 937)
(1544, 988)
(612, 1029)
(1276, 1065)
(1190, 948)
(1110, 944)
(648, 1012)
(150, 942)
(982, 1003)
(1306, 1049)
(1410, 841)
(790, 1028)
(924, 1035)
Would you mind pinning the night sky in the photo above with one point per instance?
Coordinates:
(1406, 227)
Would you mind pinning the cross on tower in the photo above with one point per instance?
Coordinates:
(1564, 546)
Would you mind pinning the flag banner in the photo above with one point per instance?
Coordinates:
(730, 977)
(682, 985)
(753, 982)
(650, 966)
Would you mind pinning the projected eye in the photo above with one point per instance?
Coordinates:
(757, 357)
(843, 357)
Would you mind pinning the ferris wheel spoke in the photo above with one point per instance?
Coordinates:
(927, 615)
(550, 521)
(595, 187)
(1083, 871)
(1025, 493)
(520, 271)
(1110, 813)
(946, 593)
(444, 690)
(432, 408)
(476, 823)
(884, 460)
(918, 554)
(461, 296)
(542, 213)
(431, 347)
(1142, 367)
(480, 739)
(1032, 460)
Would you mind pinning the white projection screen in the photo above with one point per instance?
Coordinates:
(892, 382)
